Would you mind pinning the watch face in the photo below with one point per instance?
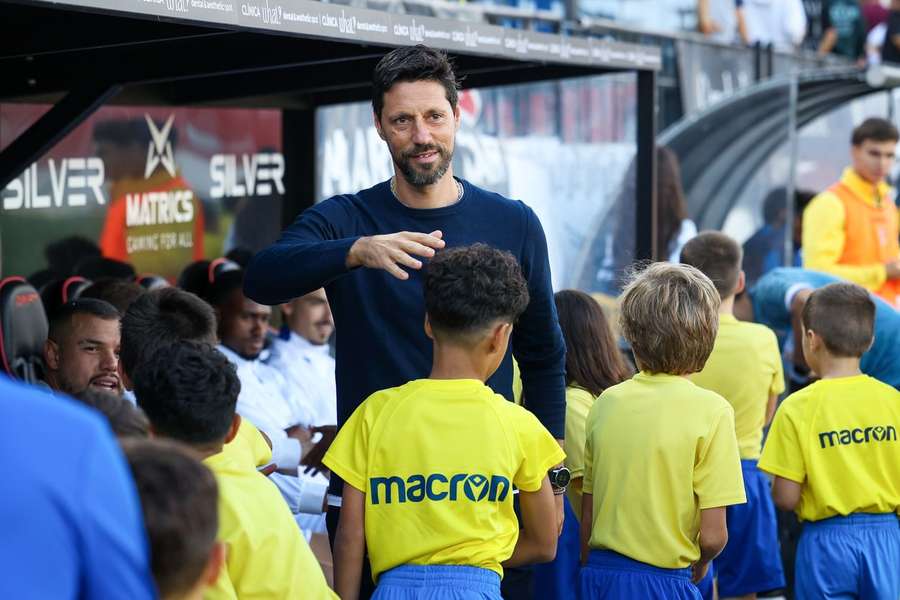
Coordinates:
(562, 477)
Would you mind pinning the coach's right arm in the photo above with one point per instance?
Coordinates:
(323, 244)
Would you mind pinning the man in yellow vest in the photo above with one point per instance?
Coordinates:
(851, 229)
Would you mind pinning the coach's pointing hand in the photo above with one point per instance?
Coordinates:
(390, 251)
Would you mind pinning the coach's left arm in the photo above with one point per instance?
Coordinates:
(538, 344)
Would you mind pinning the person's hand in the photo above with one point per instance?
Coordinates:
(390, 251)
(698, 571)
(313, 460)
(268, 469)
(709, 27)
(303, 435)
(892, 269)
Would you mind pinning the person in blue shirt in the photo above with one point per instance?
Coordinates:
(367, 248)
(777, 301)
(70, 521)
(764, 250)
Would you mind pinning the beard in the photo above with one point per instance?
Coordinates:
(420, 176)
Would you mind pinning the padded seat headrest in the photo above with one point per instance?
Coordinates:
(23, 330)
(58, 292)
(152, 282)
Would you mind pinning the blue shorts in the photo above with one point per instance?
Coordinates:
(857, 556)
(751, 561)
(559, 579)
(609, 575)
(438, 582)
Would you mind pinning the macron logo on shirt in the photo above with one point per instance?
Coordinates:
(437, 487)
(858, 436)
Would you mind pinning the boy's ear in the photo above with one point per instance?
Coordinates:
(428, 330)
(233, 430)
(214, 565)
(741, 283)
(51, 355)
(500, 336)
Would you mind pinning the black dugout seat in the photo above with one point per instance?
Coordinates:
(23, 330)
(59, 292)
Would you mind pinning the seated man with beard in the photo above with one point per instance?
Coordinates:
(82, 348)
(280, 410)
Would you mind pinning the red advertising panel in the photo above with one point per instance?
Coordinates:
(157, 187)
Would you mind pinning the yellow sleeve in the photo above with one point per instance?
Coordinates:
(348, 455)
(718, 480)
(823, 243)
(774, 354)
(782, 454)
(578, 404)
(248, 446)
(539, 451)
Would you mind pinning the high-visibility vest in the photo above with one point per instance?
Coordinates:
(870, 236)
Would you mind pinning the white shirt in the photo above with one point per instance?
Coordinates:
(268, 401)
(310, 368)
(781, 23)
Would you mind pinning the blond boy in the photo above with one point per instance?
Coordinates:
(661, 457)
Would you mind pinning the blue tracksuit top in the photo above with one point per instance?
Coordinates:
(882, 361)
(381, 341)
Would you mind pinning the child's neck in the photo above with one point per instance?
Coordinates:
(834, 367)
(727, 306)
(454, 362)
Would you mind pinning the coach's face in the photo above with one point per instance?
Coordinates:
(419, 125)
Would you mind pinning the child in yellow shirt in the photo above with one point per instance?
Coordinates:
(430, 467)
(179, 497)
(834, 451)
(189, 393)
(661, 457)
(745, 369)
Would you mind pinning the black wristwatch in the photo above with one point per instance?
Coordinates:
(559, 479)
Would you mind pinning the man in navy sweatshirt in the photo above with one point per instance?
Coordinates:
(366, 249)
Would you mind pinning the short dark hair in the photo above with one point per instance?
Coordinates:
(194, 278)
(62, 316)
(179, 498)
(468, 288)
(718, 257)
(118, 292)
(843, 315)
(125, 419)
(223, 285)
(875, 129)
(413, 63)
(160, 318)
(189, 392)
(593, 359)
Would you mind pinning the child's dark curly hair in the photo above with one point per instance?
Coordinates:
(469, 288)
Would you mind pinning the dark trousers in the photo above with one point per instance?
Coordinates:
(518, 583)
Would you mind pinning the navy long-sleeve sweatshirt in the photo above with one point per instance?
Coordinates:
(381, 342)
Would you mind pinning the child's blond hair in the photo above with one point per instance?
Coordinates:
(669, 315)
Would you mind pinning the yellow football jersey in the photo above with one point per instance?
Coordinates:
(658, 450)
(838, 438)
(438, 461)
